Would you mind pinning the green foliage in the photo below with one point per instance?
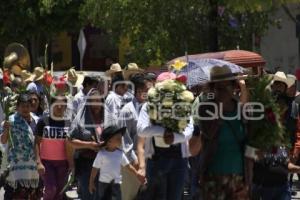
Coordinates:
(23, 19)
(160, 30)
(267, 132)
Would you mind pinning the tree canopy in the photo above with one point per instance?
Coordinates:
(159, 30)
(29, 21)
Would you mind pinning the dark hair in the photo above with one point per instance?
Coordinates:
(117, 78)
(23, 98)
(40, 109)
(150, 76)
(32, 92)
(138, 81)
(95, 92)
(63, 98)
(88, 80)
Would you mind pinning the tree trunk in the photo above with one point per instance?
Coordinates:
(213, 26)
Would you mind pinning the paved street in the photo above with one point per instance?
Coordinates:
(295, 188)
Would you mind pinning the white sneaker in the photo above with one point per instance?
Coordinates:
(72, 194)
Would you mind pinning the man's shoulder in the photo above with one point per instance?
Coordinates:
(128, 107)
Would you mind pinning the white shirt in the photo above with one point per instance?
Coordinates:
(148, 131)
(109, 164)
(112, 109)
(78, 100)
(128, 118)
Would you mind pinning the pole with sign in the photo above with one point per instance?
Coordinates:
(81, 46)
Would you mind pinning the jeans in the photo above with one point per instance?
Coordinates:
(194, 177)
(165, 178)
(109, 191)
(55, 178)
(83, 176)
(271, 193)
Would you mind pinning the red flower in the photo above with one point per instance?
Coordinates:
(6, 78)
(48, 79)
(181, 79)
(297, 74)
(270, 116)
(61, 83)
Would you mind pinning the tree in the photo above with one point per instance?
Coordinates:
(160, 30)
(33, 21)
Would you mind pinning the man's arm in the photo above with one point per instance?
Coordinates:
(145, 128)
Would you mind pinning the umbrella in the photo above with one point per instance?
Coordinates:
(198, 70)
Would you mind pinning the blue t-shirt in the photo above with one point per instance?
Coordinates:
(229, 155)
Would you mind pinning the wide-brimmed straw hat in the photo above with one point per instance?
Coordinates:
(291, 79)
(26, 76)
(38, 73)
(114, 68)
(75, 78)
(280, 77)
(223, 73)
(16, 70)
(131, 69)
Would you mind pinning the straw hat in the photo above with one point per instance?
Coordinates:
(222, 73)
(280, 77)
(75, 78)
(114, 68)
(291, 79)
(16, 70)
(26, 76)
(38, 73)
(131, 69)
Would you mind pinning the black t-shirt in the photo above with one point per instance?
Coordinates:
(272, 170)
(52, 129)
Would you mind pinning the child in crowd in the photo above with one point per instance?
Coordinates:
(109, 160)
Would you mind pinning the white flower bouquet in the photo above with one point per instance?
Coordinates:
(170, 104)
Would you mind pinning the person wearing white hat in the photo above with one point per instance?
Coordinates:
(114, 101)
(279, 83)
(132, 69)
(115, 69)
(74, 78)
(37, 85)
(292, 86)
(26, 77)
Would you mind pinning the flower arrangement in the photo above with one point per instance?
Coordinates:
(267, 132)
(8, 104)
(170, 103)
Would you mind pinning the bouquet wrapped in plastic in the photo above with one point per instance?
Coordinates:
(170, 103)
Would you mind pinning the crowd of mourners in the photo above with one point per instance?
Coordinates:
(97, 130)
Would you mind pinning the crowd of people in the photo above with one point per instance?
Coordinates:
(98, 130)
